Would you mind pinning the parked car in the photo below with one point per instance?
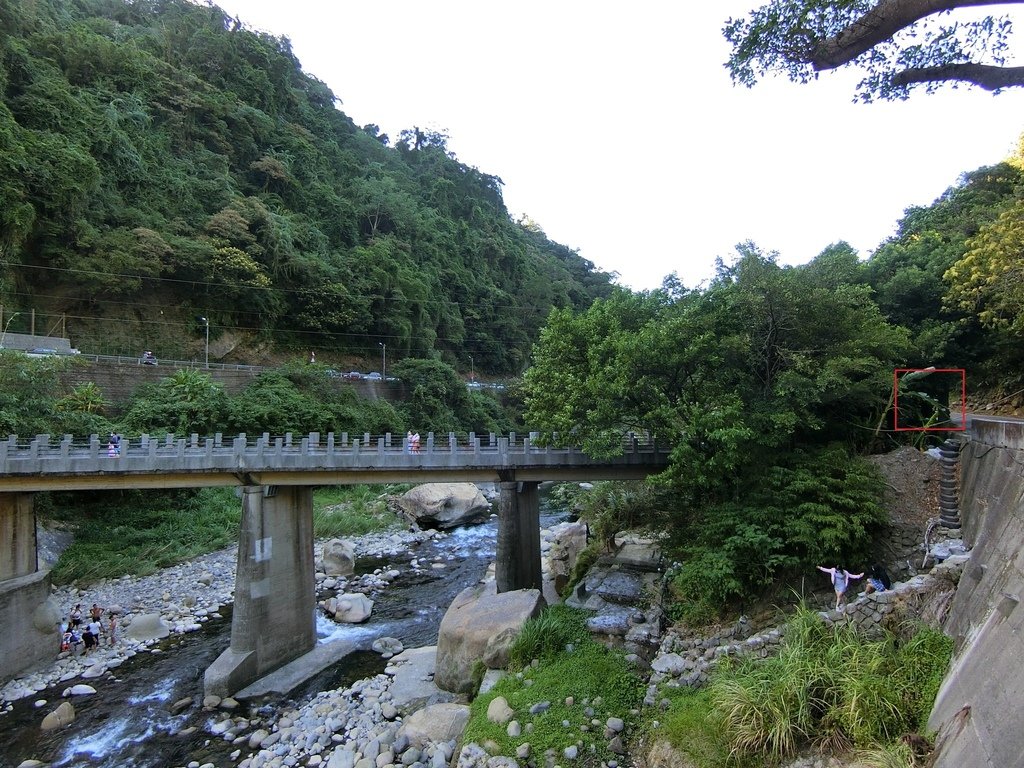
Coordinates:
(352, 376)
(148, 358)
(373, 376)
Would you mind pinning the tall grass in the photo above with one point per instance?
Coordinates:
(547, 635)
(831, 687)
(138, 532)
(353, 510)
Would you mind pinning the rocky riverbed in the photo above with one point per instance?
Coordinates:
(179, 599)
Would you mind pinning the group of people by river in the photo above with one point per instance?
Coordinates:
(90, 634)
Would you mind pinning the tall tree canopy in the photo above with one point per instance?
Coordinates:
(160, 161)
(898, 44)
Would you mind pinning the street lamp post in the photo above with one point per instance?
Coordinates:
(472, 369)
(383, 360)
(206, 322)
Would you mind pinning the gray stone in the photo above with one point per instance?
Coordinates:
(147, 626)
(498, 711)
(58, 718)
(444, 505)
(480, 626)
(437, 722)
(339, 558)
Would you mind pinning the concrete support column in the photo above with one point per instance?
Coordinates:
(273, 620)
(17, 535)
(518, 565)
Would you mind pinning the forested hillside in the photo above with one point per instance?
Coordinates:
(160, 162)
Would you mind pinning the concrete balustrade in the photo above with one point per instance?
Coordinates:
(41, 463)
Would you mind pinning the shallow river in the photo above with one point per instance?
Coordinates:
(127, 722)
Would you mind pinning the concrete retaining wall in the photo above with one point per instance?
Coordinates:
(23, 643)
(977, 713)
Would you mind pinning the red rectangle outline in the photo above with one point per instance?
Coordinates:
(896, 399)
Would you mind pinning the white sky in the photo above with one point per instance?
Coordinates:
(617, 129)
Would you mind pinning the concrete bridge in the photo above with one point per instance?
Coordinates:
(273, 620)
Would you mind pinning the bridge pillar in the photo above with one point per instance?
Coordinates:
(518, 565)
(17, 535)
(273, 619)
(32, 619)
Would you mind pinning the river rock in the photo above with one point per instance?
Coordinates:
(79, 690)
(387, 646)
(46, 617)
(435, 723)
(339, 558)
(498, 711)
(568, 540)
(480, 626)
(147, 626)
(61, 716)
(352, 608)
(444, 505)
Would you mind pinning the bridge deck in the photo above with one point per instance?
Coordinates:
(41, 463)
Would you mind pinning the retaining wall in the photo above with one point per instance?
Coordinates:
(977, 713)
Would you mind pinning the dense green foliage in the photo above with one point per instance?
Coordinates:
(159, 161)
(761, 383)
(588, 675)
(352, 510)
(137, 532)
(828, 687)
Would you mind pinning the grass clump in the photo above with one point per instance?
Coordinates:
(136, 532)
(547, 635)
(590, 682)
(827, 688)
(830, 687)
(353, 510)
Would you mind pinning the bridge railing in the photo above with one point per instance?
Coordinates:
(45, 454)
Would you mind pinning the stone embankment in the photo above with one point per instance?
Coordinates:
(688, 660)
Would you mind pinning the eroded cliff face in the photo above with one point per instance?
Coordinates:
(977, 714)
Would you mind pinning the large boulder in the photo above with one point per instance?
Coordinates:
(435, 724)
(444, 505)
(339, 558)
(568, 540)
(61, 716)
(480, 626)
(350, 608)
(147, 626)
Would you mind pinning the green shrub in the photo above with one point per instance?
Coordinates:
(138, 532)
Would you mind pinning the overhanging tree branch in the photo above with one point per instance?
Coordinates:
(985, 76)
(880, 24)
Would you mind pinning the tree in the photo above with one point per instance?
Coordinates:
(898, 44)
(989, 279)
